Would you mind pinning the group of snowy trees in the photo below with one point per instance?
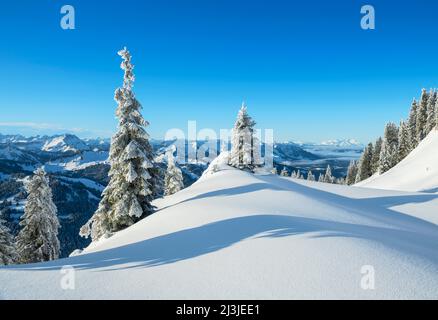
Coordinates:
(397, 141)
(37, 240)
(326, 177)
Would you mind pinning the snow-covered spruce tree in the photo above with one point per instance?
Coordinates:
(436, 114)
(37, 240)
(310, 176)
(412, 125)
(8, 252)
(388, 153)
(173, 180)
(376, 155)
(133, 178)
(352, 173)
(404, 146)
(274, 170)
(293, 175)
(321, 177)
(422, 116)
(244, 151)
(284, 172)
(388, 157)
(364, 170)
(328, 177)
(431, 112)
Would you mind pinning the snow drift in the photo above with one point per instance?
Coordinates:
(236, 235)
(417, 172)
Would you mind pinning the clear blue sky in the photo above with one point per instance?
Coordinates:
(305, 68)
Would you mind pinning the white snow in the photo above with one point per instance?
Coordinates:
(78, 162)
(236, 235)
(417, 172)
(65, 143)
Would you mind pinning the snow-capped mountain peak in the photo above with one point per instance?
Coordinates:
(65, 143)
(342, 143)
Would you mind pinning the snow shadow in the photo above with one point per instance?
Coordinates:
(377, 209)
(202, 240)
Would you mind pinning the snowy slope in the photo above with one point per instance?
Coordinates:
(65, 143)
(242, 236)
(417, 172)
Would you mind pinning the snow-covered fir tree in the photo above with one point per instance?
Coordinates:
(274, 170)
(436, 113)
(8, 252)
(412, 125)
(284, 172)
(310, 176)
(388, 157)
(404, 143)
(431, 112)
(133, 178)
(388, 153)
(321, 177)
(173, 180)
(37, 240)
(245, 153)
(364, 170)
(328, 177)
(340, 181)
(293, 174)
(422, 116)
(376, 155)
(352, 173)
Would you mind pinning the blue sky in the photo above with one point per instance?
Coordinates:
(305, 68)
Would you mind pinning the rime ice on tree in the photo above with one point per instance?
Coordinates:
(245, 152)
(173, 180)
(8, 253)
(128, 196)
(37, 240)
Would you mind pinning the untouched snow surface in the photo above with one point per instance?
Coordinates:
(236, 235)
(417, 172)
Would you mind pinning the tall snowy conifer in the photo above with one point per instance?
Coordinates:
(245, 153)
(37, 240)
(352, 173)
(173, 180)
(133, 178)
(365, 164)
(422, 117)
(310, 176)
(376, 155)
(404, 146)
(431, 112)
(8, 252)
(328, 177)
(412, 124)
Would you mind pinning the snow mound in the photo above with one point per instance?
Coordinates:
(237, 235)
(417, 172)
(65, 143)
